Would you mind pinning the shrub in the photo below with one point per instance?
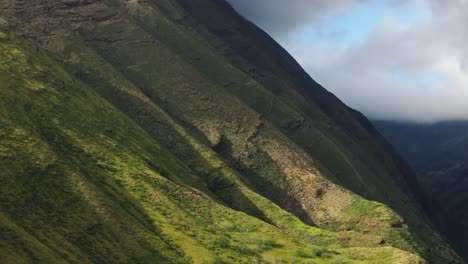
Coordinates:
(222, 242)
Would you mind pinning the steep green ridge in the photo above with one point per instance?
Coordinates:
(439, 154)
(172, 132)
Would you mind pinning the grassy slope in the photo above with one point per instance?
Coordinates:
(152, 172)
(83, 183)
(342, 142)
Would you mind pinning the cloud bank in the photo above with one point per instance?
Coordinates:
(411, 68)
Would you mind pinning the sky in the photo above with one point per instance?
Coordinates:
(404, 60)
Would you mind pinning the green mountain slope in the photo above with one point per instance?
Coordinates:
(439, 154)
(176, 131)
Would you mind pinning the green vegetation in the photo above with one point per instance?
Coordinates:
(134, 133)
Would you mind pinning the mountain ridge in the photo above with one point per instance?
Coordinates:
(253, 149)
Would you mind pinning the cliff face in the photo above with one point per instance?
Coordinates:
(176, 131)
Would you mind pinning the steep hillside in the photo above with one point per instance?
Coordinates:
(439, 154)
(428, 147)
(176, 131)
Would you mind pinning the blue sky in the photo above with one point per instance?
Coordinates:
(354, 24)
(390, 59)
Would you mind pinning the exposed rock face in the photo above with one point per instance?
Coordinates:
(192, 125)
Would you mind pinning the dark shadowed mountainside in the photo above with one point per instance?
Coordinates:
(439, 154)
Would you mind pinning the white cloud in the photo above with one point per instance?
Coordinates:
(414, 71)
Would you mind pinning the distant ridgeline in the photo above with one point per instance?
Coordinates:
(439, 154)
(175, 131)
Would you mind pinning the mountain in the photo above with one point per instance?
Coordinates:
(439, 154)
(176, 131)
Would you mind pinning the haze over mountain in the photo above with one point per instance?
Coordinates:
(390, 59)
(176, 131)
